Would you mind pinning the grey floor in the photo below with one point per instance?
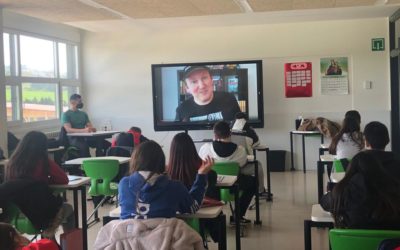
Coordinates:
(282, 219)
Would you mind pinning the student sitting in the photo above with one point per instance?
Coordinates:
(30, 162)
(376, 139)
(366, 198)
(222, 149)
(184, 162)
(349, 141)
(149, 193)
(131, 138)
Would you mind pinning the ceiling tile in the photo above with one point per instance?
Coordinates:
(57, 10)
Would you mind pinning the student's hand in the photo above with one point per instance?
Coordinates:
(206, 165)
(91, 129)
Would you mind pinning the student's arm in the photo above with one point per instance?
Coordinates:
(241, 156)
(89, 124)
(126, 199)
(326, 202)
(70, 129)
(56, 174)
(191, 201)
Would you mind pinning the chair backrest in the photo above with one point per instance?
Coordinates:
(340, 165)
(63, 138)
(101, 172)
(359, 239)
(19, 220)
(226, 168)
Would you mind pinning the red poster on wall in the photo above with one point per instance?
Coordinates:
(298, 79)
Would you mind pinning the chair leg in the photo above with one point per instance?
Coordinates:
(96, 208)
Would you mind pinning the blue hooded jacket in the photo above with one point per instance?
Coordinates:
(141, 200)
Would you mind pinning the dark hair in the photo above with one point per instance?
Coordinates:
(353, 114)
(7, 236)
(148, 156)
(75, 97)
(222, 130)
(30, 152)
(183, 159)
(352, 127)
(377, 135)
(136, 129)
(382, 190)
(188, 70)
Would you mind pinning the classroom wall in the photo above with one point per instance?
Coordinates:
(117, 72)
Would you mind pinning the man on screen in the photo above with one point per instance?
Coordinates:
(205, 104)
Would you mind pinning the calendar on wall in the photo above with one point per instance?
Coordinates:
(298, 79)
(334, 76)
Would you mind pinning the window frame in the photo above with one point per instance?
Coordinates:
(16, 79)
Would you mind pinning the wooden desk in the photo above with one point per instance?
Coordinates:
(266, 150)
(75, 186)
(303, 135)
(79, 161)
(319, 218)
(325, 160)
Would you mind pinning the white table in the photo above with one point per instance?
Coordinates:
(226, 180)
(51, 150)
(319, 218)
(93, 134)
(336, 177)
(303, 135)
(324, 160)
(79, 161)
(75, 186)
(202, 213)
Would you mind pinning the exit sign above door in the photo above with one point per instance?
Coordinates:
(378, 44)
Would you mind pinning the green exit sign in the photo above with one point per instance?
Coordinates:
(378, 44)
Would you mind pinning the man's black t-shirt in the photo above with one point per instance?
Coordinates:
(223, 107)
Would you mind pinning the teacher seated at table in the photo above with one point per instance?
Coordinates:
(74, 120)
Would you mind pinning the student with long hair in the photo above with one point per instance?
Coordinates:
(183, 165)
(349, 141)
(367, 197)
(184, 162)
(30, 161)
(149, 193)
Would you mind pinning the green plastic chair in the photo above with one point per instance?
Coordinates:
(359, 239)
(338, 166)
(101, 172)
(20, 221)
(227, 168)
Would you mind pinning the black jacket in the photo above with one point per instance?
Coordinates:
(34, 198)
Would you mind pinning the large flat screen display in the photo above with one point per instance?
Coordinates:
(190, 96)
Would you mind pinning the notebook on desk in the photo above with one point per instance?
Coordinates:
(73, 178)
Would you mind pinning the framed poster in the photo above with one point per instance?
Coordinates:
(334, 76)
(298, 79)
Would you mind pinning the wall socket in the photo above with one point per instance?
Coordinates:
(367, 84)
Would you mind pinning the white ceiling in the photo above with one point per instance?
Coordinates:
(111, 15)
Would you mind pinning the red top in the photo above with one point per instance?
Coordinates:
(43, 244)
(56, 174)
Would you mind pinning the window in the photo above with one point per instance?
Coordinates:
(67, 91)
(7, 55)
(12, 103)
(41, 74)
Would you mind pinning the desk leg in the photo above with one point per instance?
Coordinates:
(304, 153)
(291, 152)
(320, 179)
(237, 217)
(84, 215)
(76, 214)
(222, 230)
(322, 139)
(269, 193)
(257, 221)
(307, 235)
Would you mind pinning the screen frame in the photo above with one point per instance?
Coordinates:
(182, 126)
